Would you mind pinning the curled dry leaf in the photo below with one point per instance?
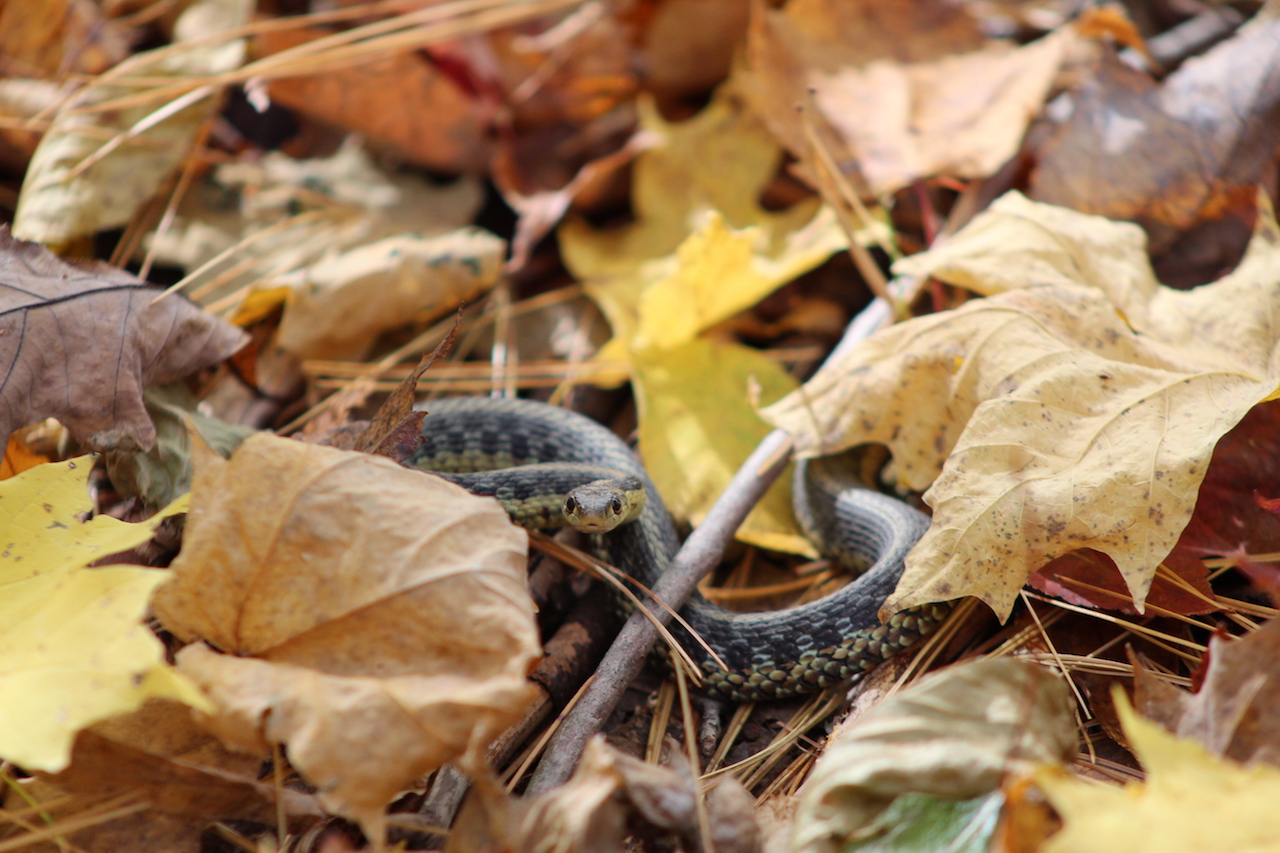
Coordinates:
(1053, 418)
(610, 797)
(374, 619)
(80, 343)
(956, 734)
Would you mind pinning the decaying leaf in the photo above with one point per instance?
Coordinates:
(372, 618)
(1167, 155)
(1052, 418)
(73, 649)
(159, 475)
(898, 90)
(66, 194)
(80, 343)
(610, 797)
(1232, 713)
(1169, 812)
(955, 734)
(339, 305)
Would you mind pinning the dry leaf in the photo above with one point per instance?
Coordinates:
(898, 90)
(1232, 712)
(60, 198)
(1191, 800)
(956, 733)
(444, 129)
(82, 342)
(610, 797)
(339, 305)
(379, 614)
(287, 214)
(1053, 418)
(1169, 155)
(57, 37)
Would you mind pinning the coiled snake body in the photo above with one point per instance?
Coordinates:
(770, 655)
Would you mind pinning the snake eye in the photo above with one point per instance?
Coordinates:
(570, 505)
(616, 506)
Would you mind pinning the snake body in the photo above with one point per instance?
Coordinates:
(769, 655)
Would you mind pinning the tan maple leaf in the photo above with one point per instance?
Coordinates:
(1077, 412)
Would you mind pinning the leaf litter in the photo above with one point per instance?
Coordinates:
(1074, 422)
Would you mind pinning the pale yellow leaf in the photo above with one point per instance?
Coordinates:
(1051, 420)
(340, 305)
(1191, 800)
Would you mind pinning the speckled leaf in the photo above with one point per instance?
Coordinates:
(1053, 417)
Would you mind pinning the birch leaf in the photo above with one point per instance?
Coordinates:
(1052, 418)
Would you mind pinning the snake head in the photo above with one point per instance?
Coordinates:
(602, 505)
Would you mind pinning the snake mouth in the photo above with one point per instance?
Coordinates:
(590, 527)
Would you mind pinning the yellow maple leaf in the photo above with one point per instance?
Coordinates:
(695, 432)
(1052, 418)
(702, 249)
(73, 647)
(1191, 800)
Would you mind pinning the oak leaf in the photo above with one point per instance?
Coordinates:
(80, 343)
(1052, 418)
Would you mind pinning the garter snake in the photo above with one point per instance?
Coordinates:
(770, 655)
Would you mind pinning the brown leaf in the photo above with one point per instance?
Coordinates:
(899, 91)
(1233, 713)
(80, 343)
(610, 796)
(444, 130)
(56, 37)
(1171, 155)
(376, 619)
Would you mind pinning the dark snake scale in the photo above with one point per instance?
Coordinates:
(769, 655)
